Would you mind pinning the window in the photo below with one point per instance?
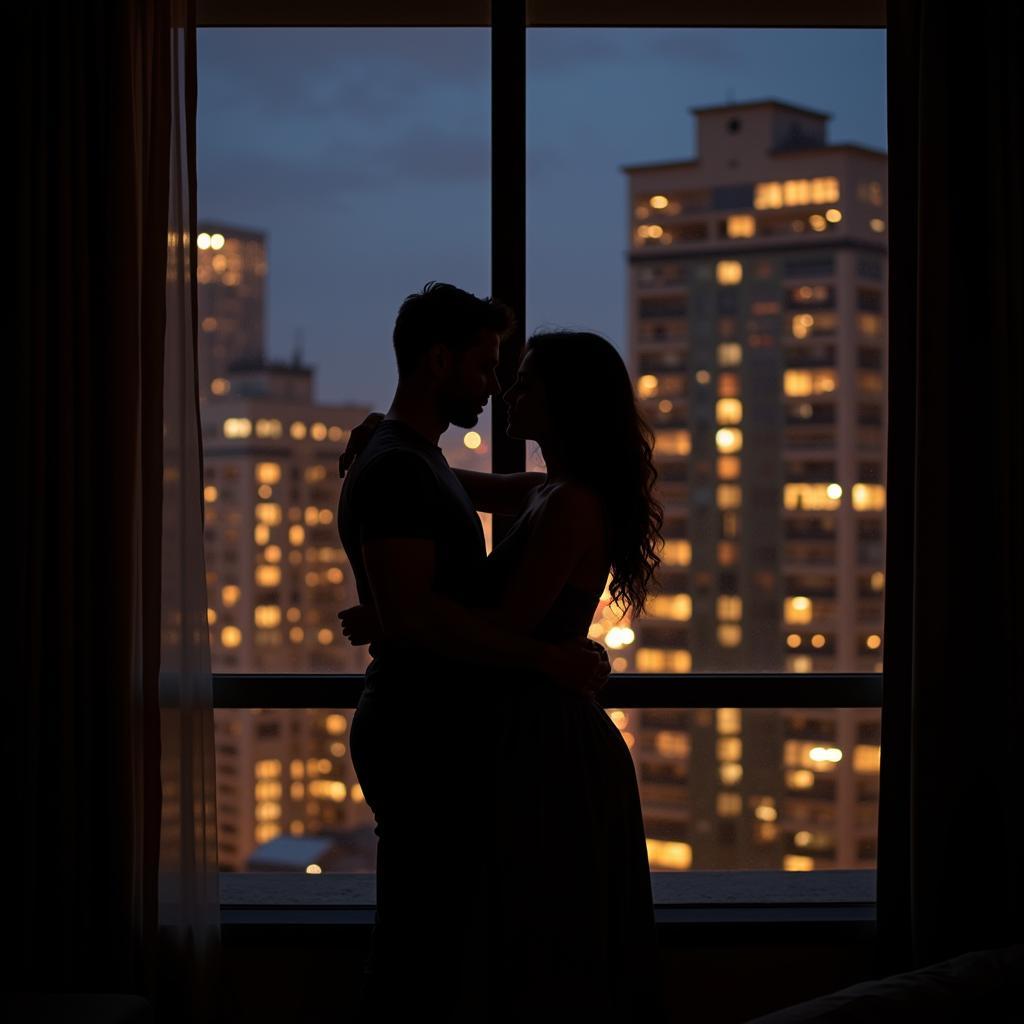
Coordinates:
(702, 389)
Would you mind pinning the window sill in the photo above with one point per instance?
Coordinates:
(684, 897)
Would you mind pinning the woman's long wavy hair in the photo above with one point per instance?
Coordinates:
(606, 445)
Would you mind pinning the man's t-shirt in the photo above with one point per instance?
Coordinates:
(401, 486)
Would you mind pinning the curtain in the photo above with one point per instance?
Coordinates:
(950, 822)
(112, 736)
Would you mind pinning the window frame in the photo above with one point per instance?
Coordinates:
(508, 21)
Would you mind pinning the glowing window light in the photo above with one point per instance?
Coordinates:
(729, 805)
(296, 534)
(335, 433)
(220, 385)
(728, 721)
(678, 607)
(619, 637)
(801, 663)
(703, 377)
(802, 324)
(296, 634)
(729, 748)
(325, 637)
(728, 496)
(652, 659)
(729, 467)
(472, 440)
(672, 442)
(677, 552)
(237, 427)
(730, 353)
(261, 534)
(877, 225)
(654, 231)
(318, 431)
(794, 640)
(740, 225)
(268, 472)
(868, 497)
(203, 240)
(647, 385)
(272, 553)
(729, 607)
(817, 222)
(268, 512)
(730, 634)
(297, 430)
(231, 636)
(670, 743)
(658, 202)
(229, 595)
(800, 778)
(217, 241)
(730, 773)
(267, 616)
(810, 497)
(765, 812)
(729, 440)
(797, 611)
(211, 616)
(268, 428)
(873, 642)
(670, 855)
(822, 755)
(796, 192)
(209, 493)
(325, 517)
(833, 216)
(728, 272)
(267, 575)
(265, 491)
(768, 195)
(867, 758)
(336, 724)
(729, 411)
(877, 581)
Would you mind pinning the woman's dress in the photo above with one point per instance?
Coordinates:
(570, 913)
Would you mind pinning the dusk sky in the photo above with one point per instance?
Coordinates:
(364, 154)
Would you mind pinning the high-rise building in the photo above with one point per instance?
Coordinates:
(276, 573)
(757, 312)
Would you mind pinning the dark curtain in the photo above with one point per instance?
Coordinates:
(105, 776)
(951, 845)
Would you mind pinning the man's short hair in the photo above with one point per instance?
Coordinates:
(444, 314)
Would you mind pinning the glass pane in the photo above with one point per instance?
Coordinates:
(734, 249)
(339, 171)
(721, 789)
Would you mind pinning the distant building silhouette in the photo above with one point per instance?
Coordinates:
(757, 311)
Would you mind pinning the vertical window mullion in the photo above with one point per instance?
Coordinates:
(508, 213)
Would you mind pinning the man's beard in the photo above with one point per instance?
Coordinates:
(462, 416)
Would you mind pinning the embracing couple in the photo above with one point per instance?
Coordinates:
(512, 874)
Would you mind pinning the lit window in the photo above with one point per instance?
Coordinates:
(730, 634)
(797, 611)
(729, 496)
(669, 855)
(676, 552)
(209, 493)
(814, 497)
(867, 758)
(791, 862)
(237, 427)
(651, 659)
(297, 430)
(730, 353)
(729, 748)
(730, 607)
(229, 595)
(730, 773)
(268, 575)
(678, 607)
(740, 225)
(268, 512)
(877, 225)
(729, 272)
(268, 472)
(318, 431)
(868, 497)
(729, 805)
(296, 534)
(729, 440)
(658, 202)
(729, 411)
(267, 616)
(220, 385)
(728, 721)
(268, 428)
(647, 385)
(672, 442)
(230, 636)
(728, 467)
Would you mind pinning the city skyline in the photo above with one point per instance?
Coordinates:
(414, 203)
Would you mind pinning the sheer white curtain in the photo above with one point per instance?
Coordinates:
(189, 900)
